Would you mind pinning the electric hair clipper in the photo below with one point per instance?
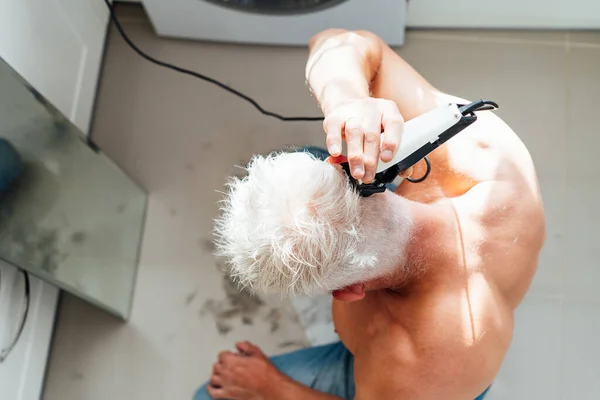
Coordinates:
(421, 136)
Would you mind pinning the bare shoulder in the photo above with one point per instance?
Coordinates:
(501, 217)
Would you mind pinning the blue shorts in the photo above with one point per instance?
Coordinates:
(328, 369)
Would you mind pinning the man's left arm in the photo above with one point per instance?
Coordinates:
(249, 374)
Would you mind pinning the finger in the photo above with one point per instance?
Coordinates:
(371, 144)
(243, 347)
(216, 380)
(247, 348)
(333, 128)
(217, 393)
(354, 139)
(224, 356)
(218, 368)
(393, 126)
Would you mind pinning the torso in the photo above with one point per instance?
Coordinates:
(486, 264)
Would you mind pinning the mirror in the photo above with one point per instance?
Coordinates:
(68, 214)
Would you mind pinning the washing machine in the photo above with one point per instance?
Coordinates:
(275, 22)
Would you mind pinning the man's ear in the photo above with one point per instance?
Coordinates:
(350, 293)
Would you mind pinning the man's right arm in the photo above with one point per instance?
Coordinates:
(340, 71)
(342, 65)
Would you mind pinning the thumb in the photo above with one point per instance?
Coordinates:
(248, 349)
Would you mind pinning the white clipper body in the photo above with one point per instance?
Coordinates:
(423, 129)
(421, 136)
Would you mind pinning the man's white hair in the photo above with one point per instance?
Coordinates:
(295, 225)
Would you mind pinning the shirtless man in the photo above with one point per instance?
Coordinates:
(440, 329)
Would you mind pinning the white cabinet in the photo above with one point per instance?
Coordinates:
(526, 14)
(57, 46)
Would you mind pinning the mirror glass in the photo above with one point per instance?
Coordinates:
(68, 214)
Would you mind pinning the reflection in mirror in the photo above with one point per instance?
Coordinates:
(68, 214)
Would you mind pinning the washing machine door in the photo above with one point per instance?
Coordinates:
(275, 22)
(277, 7)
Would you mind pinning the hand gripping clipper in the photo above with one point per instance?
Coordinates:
(421, 136)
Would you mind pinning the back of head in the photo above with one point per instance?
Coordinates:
(295, 225)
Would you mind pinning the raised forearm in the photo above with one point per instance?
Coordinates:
(341, 66)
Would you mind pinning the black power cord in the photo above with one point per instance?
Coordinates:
(421, 179)
(198, 75)
(220, 84)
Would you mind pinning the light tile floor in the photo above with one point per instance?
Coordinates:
(180, 139)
